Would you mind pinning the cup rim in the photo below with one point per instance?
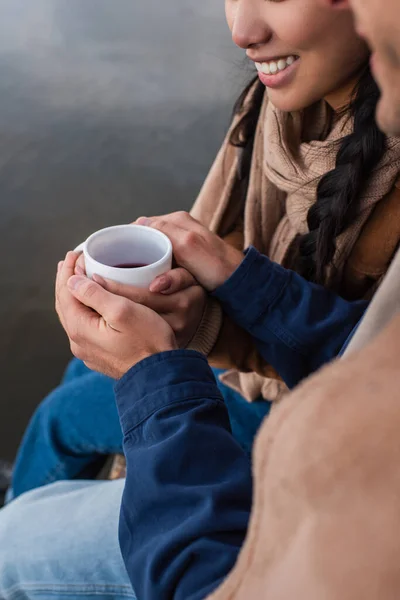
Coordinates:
(160, 234)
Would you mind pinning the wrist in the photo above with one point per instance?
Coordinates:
(157, 348)
(231, 261)
(150, 350)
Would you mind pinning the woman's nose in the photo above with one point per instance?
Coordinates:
(249, 29)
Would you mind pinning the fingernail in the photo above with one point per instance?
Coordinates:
(79, 270)
(145, 221)
(99, 279)
(160, 284)
(75, 282)
(59, 266)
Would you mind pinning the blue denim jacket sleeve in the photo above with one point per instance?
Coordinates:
(187, 497)
(298, 326)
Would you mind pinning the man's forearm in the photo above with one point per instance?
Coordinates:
(187, 496)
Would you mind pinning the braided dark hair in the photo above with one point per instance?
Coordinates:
(339, 191)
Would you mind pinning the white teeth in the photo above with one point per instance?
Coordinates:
(282, 64)
(272, 67)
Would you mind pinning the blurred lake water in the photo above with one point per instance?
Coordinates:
(108, 110)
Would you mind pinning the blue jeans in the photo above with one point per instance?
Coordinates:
(61, 542)
(77, 426)
(71, 431)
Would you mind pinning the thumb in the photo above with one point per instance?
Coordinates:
(114, 287)
(91, 294)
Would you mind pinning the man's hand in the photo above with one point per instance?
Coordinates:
(108, 332)
(175, 296)
(204, 254)
(182, 309)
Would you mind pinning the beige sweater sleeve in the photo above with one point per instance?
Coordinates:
(227, 345)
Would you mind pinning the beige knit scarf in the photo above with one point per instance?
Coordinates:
(292, 152)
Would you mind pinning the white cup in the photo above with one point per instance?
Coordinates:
(124, 245)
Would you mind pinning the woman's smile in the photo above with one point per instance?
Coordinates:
(277, 72)
(304, 50)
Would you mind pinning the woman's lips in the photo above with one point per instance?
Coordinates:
(280, 78)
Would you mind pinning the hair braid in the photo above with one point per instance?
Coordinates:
(339, 191)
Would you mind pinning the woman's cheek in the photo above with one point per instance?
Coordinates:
(301, 24)
(301, 32)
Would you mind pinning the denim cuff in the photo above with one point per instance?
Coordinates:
(255, 286)
(161, 380)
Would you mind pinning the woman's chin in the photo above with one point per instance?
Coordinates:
(287, 102)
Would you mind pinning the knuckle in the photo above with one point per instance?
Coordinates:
(178, 278)
(70, 257)
(181, 214)
(183, 303)
(178, 327)
(89, 290)
(177, 324)
(74, 335)
(197, 298)
(76, 350)
(121, 311)
(80, 264)
(161, 223)
(190, 239)
(190, 279)
(138, 297)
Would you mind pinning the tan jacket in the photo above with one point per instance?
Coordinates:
(325, 523)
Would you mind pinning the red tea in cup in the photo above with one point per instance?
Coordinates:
(130, 265)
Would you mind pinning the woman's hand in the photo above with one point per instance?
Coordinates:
(108, 332)
(204, 254)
